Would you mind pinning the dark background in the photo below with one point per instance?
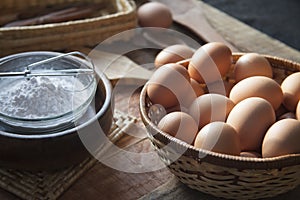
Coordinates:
(279, 19)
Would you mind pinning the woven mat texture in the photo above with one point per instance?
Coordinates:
(50, 185)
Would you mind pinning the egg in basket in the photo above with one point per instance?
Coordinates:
(226, 123)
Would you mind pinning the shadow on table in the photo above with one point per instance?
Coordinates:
(175, 190)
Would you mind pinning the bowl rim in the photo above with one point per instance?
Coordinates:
(51, 118)
(105, 107)
(219, 158)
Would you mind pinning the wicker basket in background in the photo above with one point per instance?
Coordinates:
(221, 175)
(63, 35)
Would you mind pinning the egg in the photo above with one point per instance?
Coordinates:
(282, 138)
(210, 108)
(291, 91)
(218, 137)
(251, 118)
(198, 89)
(169, 85)
(184, 63)
(220, 87)
(210, 62)
(252, 64)
(257, 86)
(179, 125)
(250, 154)
(154, 14)
(173, 54)
(177, 108)
(191, 94)
(298, 111)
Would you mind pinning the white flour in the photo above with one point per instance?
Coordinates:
(40, 97)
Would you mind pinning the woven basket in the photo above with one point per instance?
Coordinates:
(60, 36)
(221, 175)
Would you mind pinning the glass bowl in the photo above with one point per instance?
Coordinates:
(40, 104)
(54, 151)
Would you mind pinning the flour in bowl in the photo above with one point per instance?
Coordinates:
(41, 97)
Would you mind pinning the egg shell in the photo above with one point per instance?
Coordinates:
(282, 138)
(184, 63)
(218, 137)
(291, 91)
(220, 87)
(251, 118)
(250, 154)
(257, 86)
(198, 89)
(179, 125)
(298, 111)
(154, 14)
(173, 54)
(252, 64)
(177, 108)
(168, 86)
(210, 108)
(191, 95)
(210, 62)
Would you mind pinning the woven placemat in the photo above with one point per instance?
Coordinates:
(50, 185)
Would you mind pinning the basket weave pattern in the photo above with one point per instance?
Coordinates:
(59, 36)
(221, 175)
(46, 185)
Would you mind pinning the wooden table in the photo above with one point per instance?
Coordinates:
(103, 182)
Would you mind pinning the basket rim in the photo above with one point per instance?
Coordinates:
(128, 8)
(219, 158)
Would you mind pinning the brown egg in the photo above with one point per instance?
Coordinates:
(168, 86)
(179, 125)
(250, 154)
(220, 87)
(282, 138)
(288, 115)
(257, 86)
(173, 54)
(210, 108)
(251, 118)
(184, 63)
(210, 62)
(177, 108)
(218, 137)
(198, 89)
(252, 64)
(298, 111)
(154, 14)
(191, 95)
(291, 91)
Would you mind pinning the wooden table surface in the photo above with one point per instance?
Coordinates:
(103, 182)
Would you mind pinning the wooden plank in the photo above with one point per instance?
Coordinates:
(103, 182)
(244, 37)
(175, 190)
(108, 183)
(190, 14)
